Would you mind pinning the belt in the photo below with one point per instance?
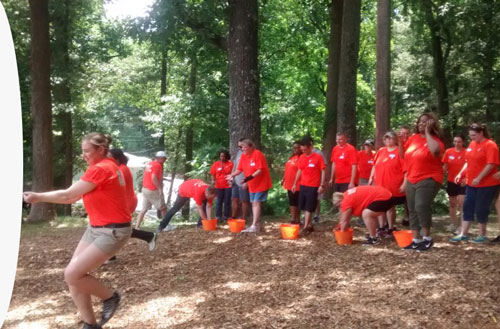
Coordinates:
(115, 225)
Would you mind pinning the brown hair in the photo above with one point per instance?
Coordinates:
(98, 139)
(435, 128)
(211, 190)
(480, 127)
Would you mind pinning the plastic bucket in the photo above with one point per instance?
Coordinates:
(236, 225)
(343, 237)
(289, 231)
(403, 238)
(209, 224)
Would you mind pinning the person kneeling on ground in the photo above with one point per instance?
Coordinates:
(202, 193)
(369, 202)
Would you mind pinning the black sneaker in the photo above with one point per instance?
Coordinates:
(425, 245)
(91, 326)
(412, 246)
(370, 241)
(496, 240)
(109, 307)
(381, 233)
(316, 219)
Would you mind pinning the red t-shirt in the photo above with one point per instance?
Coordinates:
(455, 162)
(154, 167)
(129, 188)
(220, 170)
(420, 163)
(365, 164)
(107, 203)
(250, 164)
(358, 198)
(291, 168)
(344, 158)
(389, 171)
(478, 155)
(311, 167)
(195, 189)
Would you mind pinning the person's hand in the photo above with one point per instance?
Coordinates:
(282, 181)
(402, 188)
(497, 175)
(330, 182)
(370, 181)
(30, 197)
(475, 181)
(428, 126)
(229, 177)
(321, 189)
(244, 186)
(457, 179)
(350, 186)
(294, 188)
(462, 182)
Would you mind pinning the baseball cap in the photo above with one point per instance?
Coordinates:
(368, 142)
(160, 154)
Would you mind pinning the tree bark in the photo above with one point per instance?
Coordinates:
(332, 83)
(174, 168)
(163, 92)
(383, 71)
(244, 101)
(346, 103)
(41, 108)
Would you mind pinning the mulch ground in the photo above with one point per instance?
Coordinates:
(199, 279)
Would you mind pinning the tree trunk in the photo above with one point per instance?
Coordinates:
(174, 168)
(163, 92)
(346, 103)
(383, 83)
(244, 101)
(62, 93)
(332, 83)
(41, 108)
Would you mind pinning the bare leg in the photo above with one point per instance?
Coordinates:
(244, 209)
(163, 211)
(426, 231)
(465, 227)
(140, 217)
(256, 211)
(370, 220)
(307, 219)
(482, 229)
(453, 210)
(460, 199)
(391, 217)
(295, 212)
(234, 207)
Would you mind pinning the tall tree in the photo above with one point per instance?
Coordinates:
(346, 103)
(41, 107)
(242, 48)
(383, 71)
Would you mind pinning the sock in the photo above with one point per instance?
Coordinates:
(427, 238)
(417, 240)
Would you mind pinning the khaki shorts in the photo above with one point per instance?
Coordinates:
(108, 240)
(152, 198)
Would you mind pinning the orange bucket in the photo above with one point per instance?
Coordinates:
(236, 225)
(289, 231)
(403, 238)
(343, 237)
(209, 224)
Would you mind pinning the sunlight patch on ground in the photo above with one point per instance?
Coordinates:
(426, 276)
(239, 286)
(223, 240)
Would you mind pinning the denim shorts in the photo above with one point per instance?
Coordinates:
(477, 202)
(258, 196)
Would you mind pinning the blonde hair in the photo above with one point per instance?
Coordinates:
(98, 139)
(337, 199)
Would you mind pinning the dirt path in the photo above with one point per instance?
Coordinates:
(198, 279)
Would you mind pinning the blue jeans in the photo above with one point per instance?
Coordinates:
(477, 202)
(178, 204)
(223, 199)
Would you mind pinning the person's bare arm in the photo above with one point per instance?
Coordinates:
(67, 196)
(354, 171)
(345, 219)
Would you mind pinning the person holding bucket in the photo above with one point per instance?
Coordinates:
(368, 202)
(203, 195)
(291, 168)
(311, 175)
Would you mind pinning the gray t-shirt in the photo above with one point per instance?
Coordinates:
(238, 179)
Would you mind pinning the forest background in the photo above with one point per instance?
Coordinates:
(192, 77)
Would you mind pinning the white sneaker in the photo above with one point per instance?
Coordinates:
(169, 228)
(251, 229)
(152, 243)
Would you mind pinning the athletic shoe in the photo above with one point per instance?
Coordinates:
(152, 243)
(371, 241)
(405, 222)
(425, 245)
(412, 246)
(459, 238)
(111, 260)
(91, 326)
(316, 219)
(109, 307)
(169, 228)
(251, 229)
(480, 239)
(381, 233)
(496, 240)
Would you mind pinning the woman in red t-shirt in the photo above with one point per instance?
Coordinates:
(424, 176)
(388, 172)
(481, 158)
(102, 188)
(291, 168)
(220, 169)
(365, 162)
(453, 161)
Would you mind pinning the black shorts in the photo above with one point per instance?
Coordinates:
(381, 205)
(293, 198)
(342, 187)
(397, 200)
(308, 198)
(455, 189)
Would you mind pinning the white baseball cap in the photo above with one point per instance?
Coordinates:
(160, 154)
